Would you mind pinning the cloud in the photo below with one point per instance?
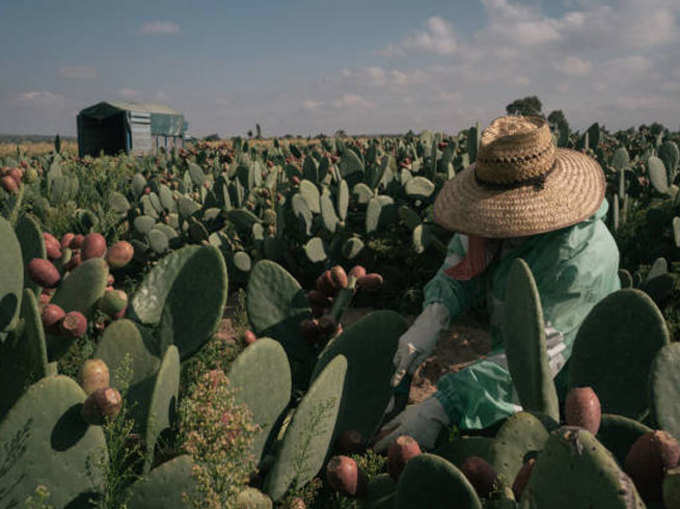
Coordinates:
(40, 99)
(438, 38)
(159, 27)
(574, 66)
(312, 105)
(128, 93)
(78, 72)
(352, 101)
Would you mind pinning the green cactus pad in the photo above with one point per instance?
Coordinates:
(167, 198)
(350, 163)
(620, 159)
(119, 203)
(671, 489)
(626, 278)
(343, 199)
(315, 251)
(309, 434)
(657, 174)
(362, 193)
(429, 481)
(525, 346)
(261, 375)
(158, 241)
(328, 215)
(138, 184)
(459, 449)
(23, 357)
(302, 211)
(380, 493)
(276, 305)
(614, 349)
(164, 486)
(575, 470)
(11, 277)
(419, 188)
(369, 346)
(520, 437)
(146, 305)
(49, 444)
(664, 387)
(32, 243)
(618, 433)
(123, 339)
(252, 498)
(195, 302)
(143, 224)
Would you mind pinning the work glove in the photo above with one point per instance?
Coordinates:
(422, 421)
(418, 342)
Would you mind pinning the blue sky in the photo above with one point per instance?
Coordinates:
(371, 66)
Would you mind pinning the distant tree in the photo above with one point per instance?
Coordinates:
(558, 120)
(340, 133)
(250, 133)
(530, 105)
(212, 137)
(258, 131)
(57, 144)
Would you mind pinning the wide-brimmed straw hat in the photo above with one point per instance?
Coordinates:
(520, 184)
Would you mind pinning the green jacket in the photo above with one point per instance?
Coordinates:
(574, 268)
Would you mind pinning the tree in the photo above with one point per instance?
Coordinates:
(258, 131)
(250, 133)
(530, 105)
(558, 120)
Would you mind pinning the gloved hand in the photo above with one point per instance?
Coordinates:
(422, 421)
(417, 343)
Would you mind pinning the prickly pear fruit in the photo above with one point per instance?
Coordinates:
(582, 408)
(647, 461)
(310, 330)
(94, 246)
(399, 453)
(324, 283)
(94, 374)
(119, 254)
(343, 475)
(9, 184)
(481, 475)
(249, 337)
(339, 277)
(77, 242)
(327, 325)
(66, 240)
(113, 302)
(370, 282)
(357, 271)
(43, 272)
(52, 246)
(320, 299)
(103, 403)
(350, 442)
(51, 316)
(522, 478)
(74, 324)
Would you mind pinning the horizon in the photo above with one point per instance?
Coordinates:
(306, 68)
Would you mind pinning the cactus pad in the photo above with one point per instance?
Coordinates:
(32, 243)
(261, 376)
(524, 335)
(163, 487)
(664, 385)
(429, 481)
(11, 278)
(53, 445)
(618, 433)
(309, 434)
(252, 498)
(614, 349)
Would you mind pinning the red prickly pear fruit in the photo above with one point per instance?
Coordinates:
(344, 476)
(310, 330)
(582, 408)
(648, 460)
(103, 403)
(52, 246)
(249, 337)
(74, 261)
(319, 298)
(51, 316)
(94, 246)
(66, 240)
(110, 279)
(43, 272)
(9, 184)
(45, 298)
(94, 374)
(481, 475)
(442, 145)
(324, 283)
(120, 254)
(147, 190)
(350, 442)
(270, 164)
(120, 314)
(371, 281)
(399, 452)
(17, 174)
(357, 271)
(522, 478)
(77, 242)
(334, 159)
(74, 324)
(296, 180)
(113, 302)
(327, 325)
(339, 277)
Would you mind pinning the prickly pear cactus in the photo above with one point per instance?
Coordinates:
(47, 442)
(575, 470)
(459, 449)
(252, 498)
(525, 347)
(369, 346)
(164, 486)
(276, 305)
(664, 387)
(32, 243)
(11, 278)
(308, 436)
(618, 433)
(614, 349)
(429, 481)
(261, 377)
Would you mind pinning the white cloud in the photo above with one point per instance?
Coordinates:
(352, 100)
(40, 99)
(311, 105)
(128, 93)
(158, 27)
(574, 66)
(78, 72)
(438, 37)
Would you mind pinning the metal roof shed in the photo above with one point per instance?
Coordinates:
(116, 126)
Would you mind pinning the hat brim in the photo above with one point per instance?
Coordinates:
(572, 192)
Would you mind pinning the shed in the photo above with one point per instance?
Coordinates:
(116, 126)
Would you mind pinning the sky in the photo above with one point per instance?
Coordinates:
(315, 66)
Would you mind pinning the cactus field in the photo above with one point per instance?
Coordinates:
(173, 333)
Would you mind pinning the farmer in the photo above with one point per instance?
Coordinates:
(523, 198)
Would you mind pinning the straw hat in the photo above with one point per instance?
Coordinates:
(520, 184)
